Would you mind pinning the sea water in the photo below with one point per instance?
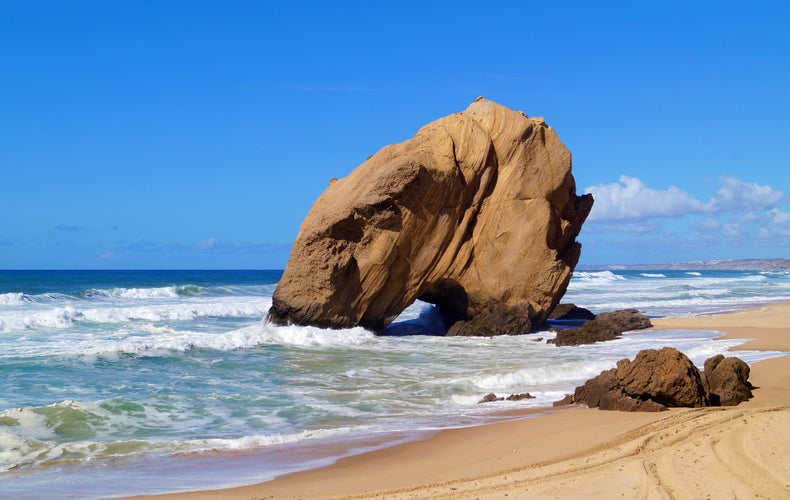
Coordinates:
(128, 382)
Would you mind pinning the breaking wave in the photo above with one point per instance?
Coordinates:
(171, 292)
(67, 316)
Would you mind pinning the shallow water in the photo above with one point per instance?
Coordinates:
(108, 377)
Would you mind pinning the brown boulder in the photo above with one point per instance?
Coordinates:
(519, 397)
(667, 377)
(490, 398)
(726, 381)
(624, 320)
(564, 312)
(605, 326)
(565, 401)
(477, 214)
(653, 381)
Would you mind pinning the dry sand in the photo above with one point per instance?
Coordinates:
(736, 452)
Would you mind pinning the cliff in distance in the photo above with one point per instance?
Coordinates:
(477, 213)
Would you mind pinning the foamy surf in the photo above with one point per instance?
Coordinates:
(157, 366)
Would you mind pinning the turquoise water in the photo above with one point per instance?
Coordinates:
(142, 381)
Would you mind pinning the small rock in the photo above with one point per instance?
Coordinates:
(519, 397)
(490, 398)
(567, 400)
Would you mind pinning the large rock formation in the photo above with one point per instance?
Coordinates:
(477, 214)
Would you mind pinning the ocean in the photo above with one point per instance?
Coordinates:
(134, 382)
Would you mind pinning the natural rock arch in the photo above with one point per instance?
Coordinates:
(477, 214)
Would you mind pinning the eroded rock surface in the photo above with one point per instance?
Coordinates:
(659, 379)
(726, 380)
(477, 214)
(653, 381)
(604, 326)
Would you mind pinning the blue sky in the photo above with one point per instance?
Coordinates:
(170, 134)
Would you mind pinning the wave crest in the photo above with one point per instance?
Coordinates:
(165, 292)
(309, 336)
(64, 317)
(13, 299)
(542, 376)
(78, 431)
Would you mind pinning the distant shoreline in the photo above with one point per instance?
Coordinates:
(697, 265)
(693, 265)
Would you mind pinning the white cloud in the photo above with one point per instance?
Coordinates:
(207, 243)
(746, 218)
(707, 224)
(738, 195)
(779, 217)
(631, 199)
(623, 227)
(734, 230)
(776, 227)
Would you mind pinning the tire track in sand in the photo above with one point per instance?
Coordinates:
(697, 453)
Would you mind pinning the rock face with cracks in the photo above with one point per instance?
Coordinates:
(477, 213)
(726, 381)
(659, 379)
(653, 381)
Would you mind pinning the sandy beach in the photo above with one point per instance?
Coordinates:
(735, 452)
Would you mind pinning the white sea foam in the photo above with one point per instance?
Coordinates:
(166, 339)
(156, 340)
(464, 400)
(13, 299)
(776, 273)
(261, 440)
(34, 436)
(677, 293)
(653, 275)
(170, 292)
(544, 375)
(584, 279)
(308, 336)
(64, 317)
(60, 317)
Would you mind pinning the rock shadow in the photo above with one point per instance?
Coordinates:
(429, 323)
